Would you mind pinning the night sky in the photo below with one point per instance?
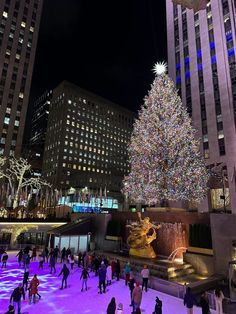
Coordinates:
(107, 47)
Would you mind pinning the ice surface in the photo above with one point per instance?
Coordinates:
(71, 300)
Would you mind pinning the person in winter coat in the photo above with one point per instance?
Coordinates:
(158, 306)
(102, 278)
(109, 274)
(65, 271)
(204, 303)
(219, 296)
(84, 276)
(19, 255)
(136, 297)
(63, 255)
(79, 259)
(96, 265)
(34, 254)
(120, 309)
(26, 279)
(16, 297)
(10, 309)
(56, 253)
(113, 268)
(41, 260)
(27, 261)
(1, 253)
(131, 288)
(4, 259)
(111, 309)
(189, 301)
(127, 273)
(52, 263)
(145, 277)
(71, 261)
(33, 289)
(46, 254)
(117, 270)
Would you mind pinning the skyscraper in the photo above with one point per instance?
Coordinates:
(86, 140)
(19, 27)
(201, 60)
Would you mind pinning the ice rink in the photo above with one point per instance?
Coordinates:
(71, 300)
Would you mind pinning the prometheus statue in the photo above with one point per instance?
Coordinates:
(141, 236)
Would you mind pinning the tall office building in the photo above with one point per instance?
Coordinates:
(19, 27)
(38, 129)
(201, 60)
(86, 141)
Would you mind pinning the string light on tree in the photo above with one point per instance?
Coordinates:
(164, 154)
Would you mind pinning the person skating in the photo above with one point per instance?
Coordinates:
(109, 274)
(71, 261)
(52, 263)
(4, 259)
(65, 271)
(63, 255)
(27, 261)
(79, 259)
(41, 260)
(145, 277)
(189, 300)
(1, 253)
(219, 296)
(56, 253)
(26, 279)
(20, 255)
(16, 297)
(84, 276)
(111, 309)
(117, 270)
(102, 278)
(96, 265)
(34, 254)
(10, 309)
(33, 288)
(158, 306)
(131, 288)
(136, 297)
(46, 254)
(127, 271)
(204, 303)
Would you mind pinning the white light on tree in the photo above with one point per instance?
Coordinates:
(160, 68)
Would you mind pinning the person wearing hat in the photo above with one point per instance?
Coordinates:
(120, 309)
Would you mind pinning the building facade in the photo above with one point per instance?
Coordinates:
(86, 141)
(38, 129)
(201, 60)
(19, 27)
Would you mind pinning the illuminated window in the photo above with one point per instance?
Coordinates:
(23, 24)
(6, 120)
(17, 123)
(21, 95)
(31, 29)
(5, 14)
(84, 168)
(64, 165)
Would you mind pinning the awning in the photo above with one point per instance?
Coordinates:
(82, 227)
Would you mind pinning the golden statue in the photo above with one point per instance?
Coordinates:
(141, 236)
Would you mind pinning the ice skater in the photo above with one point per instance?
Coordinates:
(102, 278)
(41, 260)
(65, 271)
(16, 298)
(4, 259)
(26, 279)
(33, 289)
(52, 263)
(20, 255)
(109, 275)
(84, 276)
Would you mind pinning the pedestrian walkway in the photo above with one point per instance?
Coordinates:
(71, 300)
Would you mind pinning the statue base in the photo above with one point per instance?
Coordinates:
(144, 253)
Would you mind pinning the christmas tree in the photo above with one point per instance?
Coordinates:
(164, 154)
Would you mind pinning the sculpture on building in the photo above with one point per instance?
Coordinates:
(142, 234)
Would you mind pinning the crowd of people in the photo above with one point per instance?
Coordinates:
(105, 270)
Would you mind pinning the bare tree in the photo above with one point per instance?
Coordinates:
(18, 175)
